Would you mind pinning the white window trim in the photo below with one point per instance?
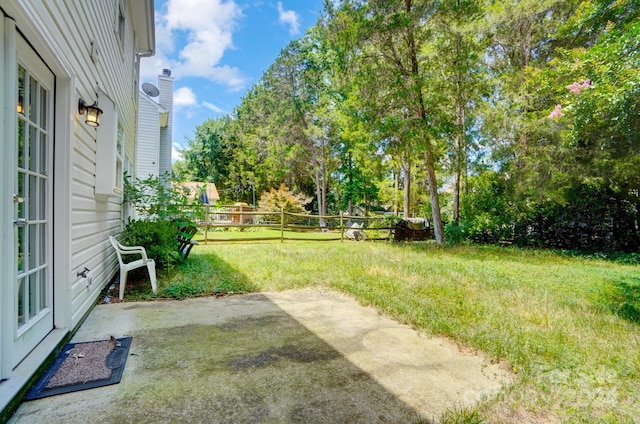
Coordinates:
(120, 11)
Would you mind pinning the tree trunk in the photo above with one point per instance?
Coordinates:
(459, 138)
(316, 178)
(406, 166)
(421, 110)
(323, 166)
(456, 198)
(438, 228)
(319, 181)
(350, 207)
(396, 188)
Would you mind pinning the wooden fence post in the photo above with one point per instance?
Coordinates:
(281, 225)
(206, 224)
(341, 227)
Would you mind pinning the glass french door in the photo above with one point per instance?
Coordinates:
(32, 201)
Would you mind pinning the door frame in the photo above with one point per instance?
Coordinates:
(17, 22)
(38, 323)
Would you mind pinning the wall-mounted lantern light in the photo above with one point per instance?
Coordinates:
(93, 112)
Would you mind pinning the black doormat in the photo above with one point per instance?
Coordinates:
(82, 366)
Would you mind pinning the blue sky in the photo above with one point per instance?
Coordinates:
(217, 49)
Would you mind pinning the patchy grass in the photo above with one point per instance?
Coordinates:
(568, 326)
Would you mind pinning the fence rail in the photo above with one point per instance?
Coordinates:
(291, 226)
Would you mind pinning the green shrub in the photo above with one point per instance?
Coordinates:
(486, 212)
(384, 222)
(158, 198)
(592, 218)
(159, 238)
(283, 198)
(456, 234)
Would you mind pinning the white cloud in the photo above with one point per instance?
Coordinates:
(151, 67)
(184, 96)
(207, 26)
(212, 107)
(176, 151)
(289, 17)
(230, 75)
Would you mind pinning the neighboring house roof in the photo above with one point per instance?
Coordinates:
(144, 27)
(194, 190)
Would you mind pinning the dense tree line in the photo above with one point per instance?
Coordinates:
(514, 120)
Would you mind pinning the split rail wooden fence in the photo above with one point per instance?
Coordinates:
(288, 226)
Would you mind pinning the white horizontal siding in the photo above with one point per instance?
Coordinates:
(166, 134)
(147, 160)
(62, 32)
(75, 25)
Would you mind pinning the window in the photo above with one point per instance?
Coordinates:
(109, 137)
(119, 158)
(126, 207)
(121, 23)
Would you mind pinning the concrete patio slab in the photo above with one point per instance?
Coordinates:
(301, 356)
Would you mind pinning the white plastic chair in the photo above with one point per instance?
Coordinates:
(125, 267)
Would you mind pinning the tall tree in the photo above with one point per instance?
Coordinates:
(521, 40)
(386, 36)
(299, 79)
(208, 153)
(596, 90)
(454, 59)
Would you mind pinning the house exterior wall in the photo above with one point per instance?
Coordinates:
(154, 140)
(92, 53)
(147, 152)
(165, 84)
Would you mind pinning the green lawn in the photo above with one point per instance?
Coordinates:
(569, 327)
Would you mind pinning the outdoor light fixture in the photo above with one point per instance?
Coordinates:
(93, 112)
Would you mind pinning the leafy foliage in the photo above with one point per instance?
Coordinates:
(592, 219)
(486, 213)
(158, 236)
(154, 197)
(157, 198)
(208, 153)
(283, 199)
(164, 209)
(497, 116)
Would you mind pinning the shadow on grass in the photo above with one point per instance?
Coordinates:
(204, 274)
(199, 275)
(626, 300)
(617, 257)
